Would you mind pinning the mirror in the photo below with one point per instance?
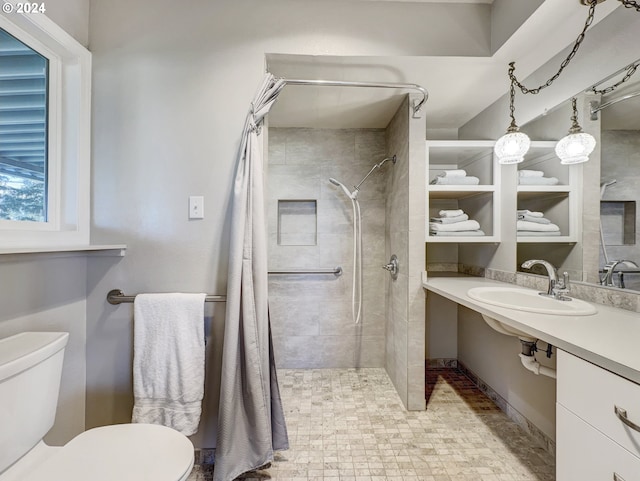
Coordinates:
(619, 258)
(607, 252)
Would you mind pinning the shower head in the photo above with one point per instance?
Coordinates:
(340, 184)
(604, 185)
(381, 163)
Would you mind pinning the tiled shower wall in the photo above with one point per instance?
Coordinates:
(405, 333)
(311, 314)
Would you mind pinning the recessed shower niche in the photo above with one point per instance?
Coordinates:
(297, 222)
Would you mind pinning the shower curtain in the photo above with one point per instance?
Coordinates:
(251, 421)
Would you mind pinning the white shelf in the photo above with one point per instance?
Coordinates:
(541, 189)
(457, 191)
(557, 239)
(117, 250)
(487, 239)
(480, 202)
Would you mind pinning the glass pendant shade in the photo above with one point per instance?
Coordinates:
(575, 148)
(512, 147)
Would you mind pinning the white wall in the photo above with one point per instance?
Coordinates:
(47, 293)
(72, 16)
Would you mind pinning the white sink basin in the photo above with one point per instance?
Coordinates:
(529, 300)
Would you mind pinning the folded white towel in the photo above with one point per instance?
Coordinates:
(523, 225)
(453, 173)
(532, 218)
(538, 181)
(451, 213)
(530, 173)
(531, 233)
(168, 360)
(469, 180)
(530, 213)
(450, 220)
(464, 233)
(458, 226)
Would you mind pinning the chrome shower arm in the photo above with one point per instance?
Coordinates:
(377, 166)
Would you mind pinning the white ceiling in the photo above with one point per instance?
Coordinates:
(459, 87)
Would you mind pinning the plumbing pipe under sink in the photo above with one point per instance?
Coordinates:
(528, 360)
(530, 363)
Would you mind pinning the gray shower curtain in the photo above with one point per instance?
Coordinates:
(251, 423)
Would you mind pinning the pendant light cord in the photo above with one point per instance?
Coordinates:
(631, 4)
(565, 62)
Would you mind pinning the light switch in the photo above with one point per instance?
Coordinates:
(196, 207)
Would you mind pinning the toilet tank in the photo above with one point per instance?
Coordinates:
(30, 370)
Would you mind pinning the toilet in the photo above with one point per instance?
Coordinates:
(30, 372)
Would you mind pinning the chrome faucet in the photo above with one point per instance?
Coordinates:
(557, 287)
(609, 268)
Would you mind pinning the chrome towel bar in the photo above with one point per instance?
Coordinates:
(116, 296)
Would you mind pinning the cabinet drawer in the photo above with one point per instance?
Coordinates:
(585, 454)
(592, 393)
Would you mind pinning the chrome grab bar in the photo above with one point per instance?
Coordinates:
(337, 271)
(116, 296)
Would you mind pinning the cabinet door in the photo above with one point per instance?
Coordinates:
(592, 393)
(585, 454)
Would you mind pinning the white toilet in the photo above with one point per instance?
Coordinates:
(30, 371)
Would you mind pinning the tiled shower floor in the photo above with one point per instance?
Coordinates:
(349, 424)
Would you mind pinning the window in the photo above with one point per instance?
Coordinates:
(45, 81)
(23, 131)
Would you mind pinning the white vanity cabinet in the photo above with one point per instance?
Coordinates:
(480, 202)
(596, 413)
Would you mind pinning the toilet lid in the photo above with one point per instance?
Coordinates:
(122, 452)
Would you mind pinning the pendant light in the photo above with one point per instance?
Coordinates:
(575, 147)
(512, 146)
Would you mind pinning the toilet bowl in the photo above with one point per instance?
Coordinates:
(30, 369)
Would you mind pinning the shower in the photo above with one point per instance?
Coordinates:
(356, 290)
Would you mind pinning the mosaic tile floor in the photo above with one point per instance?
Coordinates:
(350, 425)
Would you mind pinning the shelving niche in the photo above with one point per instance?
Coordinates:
(480, 201)
(559, 203)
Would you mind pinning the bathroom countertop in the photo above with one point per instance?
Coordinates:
(610, 338)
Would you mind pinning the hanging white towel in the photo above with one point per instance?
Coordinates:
(168, 360)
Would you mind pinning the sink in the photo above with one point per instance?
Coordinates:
(529, 300)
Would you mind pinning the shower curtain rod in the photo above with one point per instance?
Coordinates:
(595, 106)
(343, 83)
